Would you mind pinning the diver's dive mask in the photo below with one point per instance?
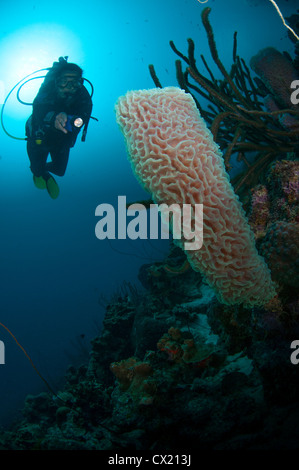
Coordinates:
(65, 82)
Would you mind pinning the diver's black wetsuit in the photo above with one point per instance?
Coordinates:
(44, 139)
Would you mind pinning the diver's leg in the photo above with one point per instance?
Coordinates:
(38, 155)
(60, 158)
(59, 155)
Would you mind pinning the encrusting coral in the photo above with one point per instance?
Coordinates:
(173, 155)
(280, 248)
(185, 351)
(134, 377)
(274, 219)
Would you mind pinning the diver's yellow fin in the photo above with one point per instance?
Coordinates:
(53, 188)
(39, 182)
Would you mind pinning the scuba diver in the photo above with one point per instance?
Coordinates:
(60, 109)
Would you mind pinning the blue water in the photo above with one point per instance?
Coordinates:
(53, 268)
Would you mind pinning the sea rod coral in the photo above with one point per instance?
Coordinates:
(174, 156)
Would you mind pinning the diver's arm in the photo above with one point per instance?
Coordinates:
(44, 119)
(60, 122)
(43, 112)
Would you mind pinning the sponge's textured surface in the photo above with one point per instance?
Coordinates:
(173, 155)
